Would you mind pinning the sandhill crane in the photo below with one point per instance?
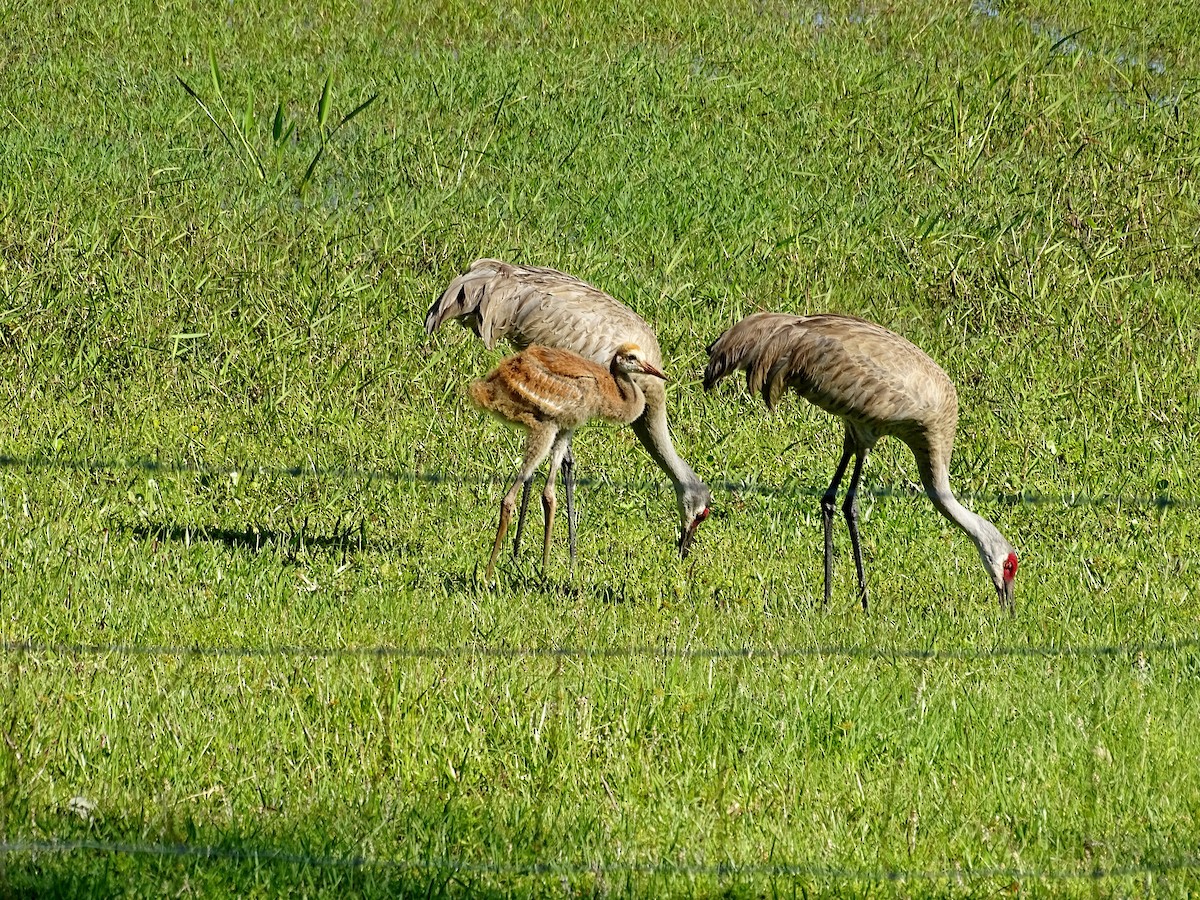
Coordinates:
(535, 305)
(879, 384)
(552, 392)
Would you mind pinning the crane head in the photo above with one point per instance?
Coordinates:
(1008, 572)
(694, 508)
(631, 359)
(1000, 559)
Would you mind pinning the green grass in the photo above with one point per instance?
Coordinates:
(224, 428)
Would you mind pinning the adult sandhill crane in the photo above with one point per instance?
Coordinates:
(552, 392)
(879, 384)
(535, 305)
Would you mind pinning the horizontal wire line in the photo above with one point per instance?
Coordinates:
(719, 870)
(647, 651)
(432, 476)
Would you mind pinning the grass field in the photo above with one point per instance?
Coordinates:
(244, 502)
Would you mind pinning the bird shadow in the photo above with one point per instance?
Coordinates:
(527, 578)
(291, 543)
(567, 589)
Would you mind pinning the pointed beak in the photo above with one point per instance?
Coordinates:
(687, 534)
(1004, 593)
(652, 370)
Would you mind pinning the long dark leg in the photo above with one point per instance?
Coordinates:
(828, 502)
(521, 516)
(549, 500)
(537, 445)
(568, 470)
(850, 509)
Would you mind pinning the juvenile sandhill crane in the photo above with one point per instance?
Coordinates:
(535, 305)
(552, 392)
(879, 384)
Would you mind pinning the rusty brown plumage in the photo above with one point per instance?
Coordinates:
(878, 383)
(524, 305)
(551, 392)
(544, 385)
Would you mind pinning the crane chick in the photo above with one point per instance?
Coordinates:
(878, 383)
(552, 392)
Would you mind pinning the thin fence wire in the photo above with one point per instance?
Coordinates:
(1159, 501)
(643, 651)
(725, 871)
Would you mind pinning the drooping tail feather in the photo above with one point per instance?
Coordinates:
(466, 298)
(758, 344)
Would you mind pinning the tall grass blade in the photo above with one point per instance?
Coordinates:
(248, 117)
(250, 153)
(354, 112)
(247, 150)
(312, 166)
(215, 73)
(187, 87)
(323, 104)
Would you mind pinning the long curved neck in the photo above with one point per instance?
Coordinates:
(651, 429)
(936, 479)
(625, 403)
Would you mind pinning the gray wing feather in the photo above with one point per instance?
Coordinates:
(846, 365)
(538, 305)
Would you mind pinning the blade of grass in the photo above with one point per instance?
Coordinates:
(250, 152)
(312, 166)
(208, 112)
(323, 104)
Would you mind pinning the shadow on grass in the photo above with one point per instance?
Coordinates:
(348, 540)
(524, 576)
(563, 589)
(135, 871)
(314, 858)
